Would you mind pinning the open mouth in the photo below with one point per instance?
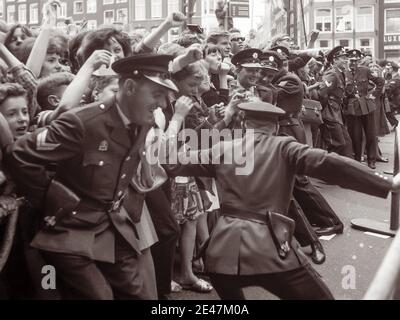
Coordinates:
(22, 130)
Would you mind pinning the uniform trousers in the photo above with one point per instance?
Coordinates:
(81, 278)
(168, 231)
(316, 208)
(300, 284)
(336, 138)
(355, 125)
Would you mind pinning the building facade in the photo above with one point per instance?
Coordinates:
(389, 33)
(142, 15)
(349, 23)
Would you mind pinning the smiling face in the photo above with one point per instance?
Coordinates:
(15, 110)
(248, 77)
(139, 99)
(53, 64)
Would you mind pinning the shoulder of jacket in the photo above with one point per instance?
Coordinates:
(93, 110)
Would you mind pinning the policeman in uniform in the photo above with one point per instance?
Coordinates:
(90, 241)
(331, 95)
(252, 243)
(360, 107)
(308, 200)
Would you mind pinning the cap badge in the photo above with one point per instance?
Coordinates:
(103, 146)
(354, 52)
(279, 50)
(272, 59)
(135, 72)
(255, 55)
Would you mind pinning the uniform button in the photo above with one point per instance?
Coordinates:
(128, 159)
(376, 173)
(102, 106)
(101, 163)
(123, 176)
(120, 194)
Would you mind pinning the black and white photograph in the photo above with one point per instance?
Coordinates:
(202, 152)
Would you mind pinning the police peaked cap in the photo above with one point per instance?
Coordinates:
(261, 110)
(155, 67)
(336, 52)
(248, 58)
(271, 60)
(354, 54)
(282, 51)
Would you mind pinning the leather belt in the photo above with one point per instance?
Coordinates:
(109, 207)
(245, 214)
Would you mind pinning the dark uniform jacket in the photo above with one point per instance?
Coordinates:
(360, 101)
(243, 247)
(96, 159)
(290, 97)
(331, 94)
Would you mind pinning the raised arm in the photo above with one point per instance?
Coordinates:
(73, 94)
(148, 44)
(39, 50)
(23, 76)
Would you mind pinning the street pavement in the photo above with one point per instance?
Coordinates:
(353, 257)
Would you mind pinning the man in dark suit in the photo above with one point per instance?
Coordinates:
(360, 107)
(90, 241)
(252, 243)
(331, 95)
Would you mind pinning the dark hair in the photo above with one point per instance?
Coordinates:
(100, 83)
(74, 46)
(57, 44)
(96, 40)
(216, 36)
(234, 30)
(186, 39)
(211, 46)
(10, 34)
(199, 69)
(49, 86)
(172, 49)
(8, 90)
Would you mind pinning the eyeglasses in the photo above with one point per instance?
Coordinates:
(238, 39)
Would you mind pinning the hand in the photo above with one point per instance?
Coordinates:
(194, 53)
(175, 19)
(8, 205)
(50, 13)
(314, 35)
(224, 69)
(98, 59)
(213, 117)
(183, 106)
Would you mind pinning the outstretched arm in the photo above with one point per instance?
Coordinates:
(39, 50)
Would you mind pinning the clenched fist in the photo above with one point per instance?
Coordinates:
(183, 106)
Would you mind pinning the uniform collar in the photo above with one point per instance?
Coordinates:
(123, 117)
